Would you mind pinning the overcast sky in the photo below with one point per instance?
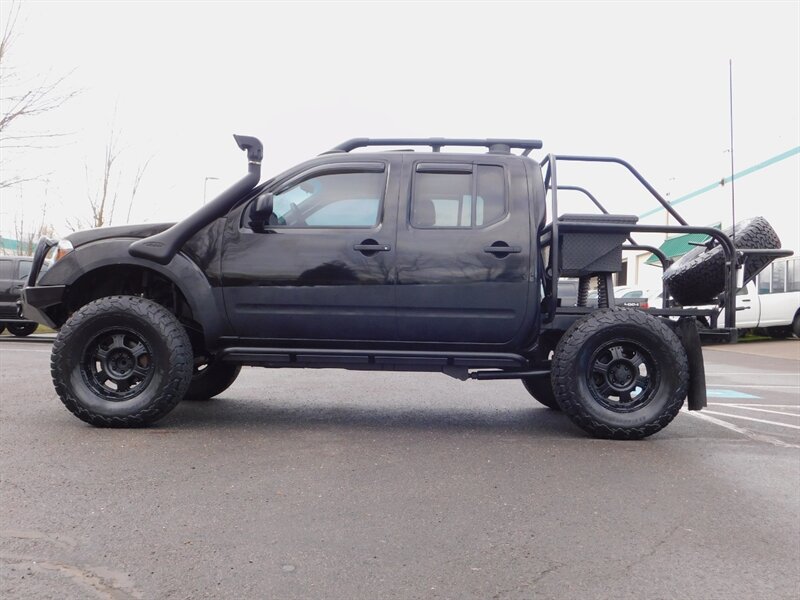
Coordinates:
(647, 82)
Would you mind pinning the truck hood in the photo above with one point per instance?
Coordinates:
(79, 238)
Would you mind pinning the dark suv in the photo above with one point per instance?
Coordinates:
(14, 270)
(373, 260)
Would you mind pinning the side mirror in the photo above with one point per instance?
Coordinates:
(262, 211)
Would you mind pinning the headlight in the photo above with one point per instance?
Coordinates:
(64, 247)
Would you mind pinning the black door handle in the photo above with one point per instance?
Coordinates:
(370, 247)
(502, 248)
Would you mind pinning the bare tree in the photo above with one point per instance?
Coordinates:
(135, 187)
(26, 237)
(21, 99)
(103, 196)
(103, 201)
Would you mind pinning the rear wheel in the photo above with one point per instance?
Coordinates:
(121, 361)
(22, 329)
(620, 373)
(211, 378)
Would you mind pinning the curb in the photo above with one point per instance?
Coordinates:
(31, 339)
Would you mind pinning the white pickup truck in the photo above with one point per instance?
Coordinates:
(772, 303)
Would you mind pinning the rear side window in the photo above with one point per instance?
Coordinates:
(471, 199)
(6, 269)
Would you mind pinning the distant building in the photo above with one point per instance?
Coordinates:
(770, 189)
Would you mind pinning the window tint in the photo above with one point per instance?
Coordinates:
(633, 294)
(24, 268)
(446, 199)
(793, 275)
(332, 200)
(6, 269)
(778, 277)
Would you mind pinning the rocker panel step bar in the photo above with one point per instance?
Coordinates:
(370, 359)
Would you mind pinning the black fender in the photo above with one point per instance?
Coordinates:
(203, 296)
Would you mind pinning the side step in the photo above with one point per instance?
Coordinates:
(452, 363)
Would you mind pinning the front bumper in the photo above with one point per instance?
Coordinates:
(36, 301)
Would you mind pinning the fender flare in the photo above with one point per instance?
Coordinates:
(203, 297)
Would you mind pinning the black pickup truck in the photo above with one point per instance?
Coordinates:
(375, 260)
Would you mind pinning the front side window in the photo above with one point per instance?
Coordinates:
(445, 200)
(331, 200)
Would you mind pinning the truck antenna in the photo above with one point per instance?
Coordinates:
(733, 184)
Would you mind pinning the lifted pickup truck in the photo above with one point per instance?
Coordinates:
(398, 260)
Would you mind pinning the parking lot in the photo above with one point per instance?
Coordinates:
(336, 484)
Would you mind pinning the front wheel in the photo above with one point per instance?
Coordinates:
(620, 373)
(121, 361)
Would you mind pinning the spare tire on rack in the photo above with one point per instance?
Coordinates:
(699, 275)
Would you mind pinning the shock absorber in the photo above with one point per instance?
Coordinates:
(583, 290)
(602, 292)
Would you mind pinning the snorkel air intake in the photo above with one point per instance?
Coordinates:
(162, 247)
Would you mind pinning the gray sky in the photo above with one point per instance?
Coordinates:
(647, 82)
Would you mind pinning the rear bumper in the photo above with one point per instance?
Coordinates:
(36, 301)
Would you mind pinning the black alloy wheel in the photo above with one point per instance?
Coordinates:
(622, 375)
(117, 364)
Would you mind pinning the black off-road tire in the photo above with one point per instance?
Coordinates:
(796, 325)
(211, 379)
(541, 389)
(699, 275)
(22, 329)
(577, 366)
(158, 346)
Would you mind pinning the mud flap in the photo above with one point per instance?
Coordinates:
(686, 328)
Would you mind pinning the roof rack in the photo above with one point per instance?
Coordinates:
(494, 145)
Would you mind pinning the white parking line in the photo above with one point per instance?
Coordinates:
(758, 437)
(764, 410)
(776, 423)
(759, 404)
(42, 351)
(749, 385)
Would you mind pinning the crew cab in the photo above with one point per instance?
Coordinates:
(373, 260)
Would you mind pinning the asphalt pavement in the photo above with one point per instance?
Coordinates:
(347, 485)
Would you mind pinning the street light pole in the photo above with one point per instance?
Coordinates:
(205, 187)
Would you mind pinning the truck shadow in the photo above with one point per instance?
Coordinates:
(230, 413)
